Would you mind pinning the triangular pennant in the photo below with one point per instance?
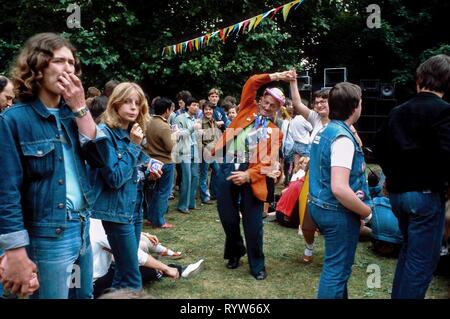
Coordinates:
(174, 49)
(299, 3)
(230, 29)
(267, 13)
(200, 41)
(252, 23)
(196, 44)
(275, 12)
(245, 25)
(240, 26)
(190, 45)
(286, 9)
(258, 20)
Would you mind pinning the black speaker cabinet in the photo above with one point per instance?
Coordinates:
(387, 91)
(332, 76)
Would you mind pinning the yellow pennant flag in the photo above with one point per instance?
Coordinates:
(196, 43)
(288, 7)
(230, 28)
(303, 198)
(258, 20)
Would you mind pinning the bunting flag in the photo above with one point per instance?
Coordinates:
(248, 24)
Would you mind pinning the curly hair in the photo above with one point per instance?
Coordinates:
(117, 99)
(26, 73)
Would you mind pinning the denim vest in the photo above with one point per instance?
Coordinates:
(32, 185)
(320, 167)
(116, 184)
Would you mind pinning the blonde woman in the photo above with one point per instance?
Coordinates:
(119, 195)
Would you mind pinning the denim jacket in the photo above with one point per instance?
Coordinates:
(320, 192)
(32, 183)
(116, 184)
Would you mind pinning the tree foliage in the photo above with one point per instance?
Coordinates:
(123, 40)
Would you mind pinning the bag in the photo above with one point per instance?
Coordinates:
(287, 210)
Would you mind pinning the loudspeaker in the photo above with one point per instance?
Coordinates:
(370, 87)
(304, 83)
(387, 91)
(332, 76)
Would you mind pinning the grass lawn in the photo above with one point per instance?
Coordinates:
(200, 235)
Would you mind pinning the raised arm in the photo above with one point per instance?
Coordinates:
(299, 107)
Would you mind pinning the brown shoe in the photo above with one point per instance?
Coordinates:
(307, 259)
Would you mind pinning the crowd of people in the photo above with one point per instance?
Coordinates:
(86, 170)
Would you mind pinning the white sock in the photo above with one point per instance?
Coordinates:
(309, 250)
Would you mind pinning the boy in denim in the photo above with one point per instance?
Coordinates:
(338, 193)
(418, 131)
(45, 195)
(118, 189)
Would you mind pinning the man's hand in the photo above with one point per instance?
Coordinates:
(72, 91)
(220, 123)
(18, 272)
(239, 177)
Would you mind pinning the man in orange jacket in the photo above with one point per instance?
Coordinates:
(249, 151)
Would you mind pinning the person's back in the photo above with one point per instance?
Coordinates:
(413, 147)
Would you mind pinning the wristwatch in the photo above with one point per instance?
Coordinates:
(81, 112)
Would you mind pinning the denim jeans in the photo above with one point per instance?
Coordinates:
(124, 241)
(421, 220)
(1, 286)
(205, 195)
(64, 262)
(189, 183)
(157, 196)
(341, 233)
(301, 149)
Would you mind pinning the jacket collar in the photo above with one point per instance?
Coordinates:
(41, 109)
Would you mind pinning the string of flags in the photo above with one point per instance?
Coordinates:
(222, 34)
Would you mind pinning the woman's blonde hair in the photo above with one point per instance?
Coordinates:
(120, 93)
(34, 57)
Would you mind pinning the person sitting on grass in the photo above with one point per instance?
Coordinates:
(149, 267)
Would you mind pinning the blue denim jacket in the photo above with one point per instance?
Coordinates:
(320, 167)
(116, 184)
(32, 185)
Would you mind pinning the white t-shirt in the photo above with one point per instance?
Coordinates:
(342, 151)
(102, 258)
(300, 129)
(315, 120)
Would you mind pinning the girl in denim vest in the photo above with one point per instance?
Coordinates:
(339, 194)
(117, 184)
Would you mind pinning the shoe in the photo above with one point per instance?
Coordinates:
(233, 262)
(261, 275)
(307, 259)
(166, 225)
(183, 211)
(207, 202)
(170, 254)
(192, 269)
(195, 208)
(171, 196)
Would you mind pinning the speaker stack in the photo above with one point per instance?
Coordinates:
(305, 87)
(378, 99)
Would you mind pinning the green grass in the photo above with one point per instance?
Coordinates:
(200, 235)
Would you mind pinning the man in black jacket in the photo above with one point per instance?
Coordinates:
(413, 149)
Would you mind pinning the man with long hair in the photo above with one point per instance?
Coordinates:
(44, 194)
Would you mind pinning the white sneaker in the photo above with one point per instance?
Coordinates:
(193, 269)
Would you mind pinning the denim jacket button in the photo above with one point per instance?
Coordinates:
(60, 205)
(58, 231)
(57, 136)
(61, 182)
(60, 158)
(39, 152)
